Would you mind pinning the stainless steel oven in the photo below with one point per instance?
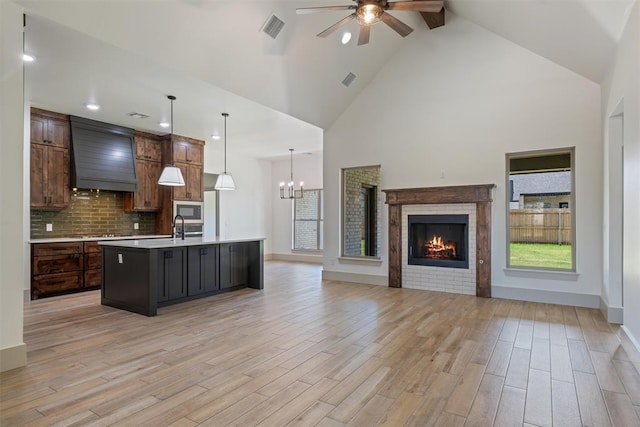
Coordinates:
(190, 230)
(192, 212)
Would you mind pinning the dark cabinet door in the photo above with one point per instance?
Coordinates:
(192, 190)
(203, 269)
(49, 177)
(187, 152)
(154, 170)
(57, 180)
(50, 131)
(234, 268)
(148, 148)
(38, 171)
(173, 274)
(58, 133)
(147, 198)
(194, 183)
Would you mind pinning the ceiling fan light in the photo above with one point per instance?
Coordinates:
(369, 13)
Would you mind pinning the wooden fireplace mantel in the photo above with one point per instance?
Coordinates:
(478, 194)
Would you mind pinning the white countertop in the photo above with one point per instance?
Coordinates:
(171, 242)
(98, 238)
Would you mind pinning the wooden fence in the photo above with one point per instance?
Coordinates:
(540, 226)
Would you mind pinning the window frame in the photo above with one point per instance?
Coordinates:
(319, 223)
(540, 153)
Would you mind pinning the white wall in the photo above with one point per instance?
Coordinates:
(306, 168)
(245, 212)
(623, 84)
(454, 101)
(12, 201)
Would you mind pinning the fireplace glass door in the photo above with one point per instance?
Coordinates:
(439, 240)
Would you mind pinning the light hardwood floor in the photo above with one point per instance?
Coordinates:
(307, 352)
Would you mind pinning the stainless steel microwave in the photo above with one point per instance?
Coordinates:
(192, 212)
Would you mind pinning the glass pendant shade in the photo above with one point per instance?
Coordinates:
(171, 176)
(225, 182)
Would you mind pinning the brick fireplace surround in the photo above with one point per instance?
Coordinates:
(478, 194)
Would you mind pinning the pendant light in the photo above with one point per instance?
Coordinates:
(171, 175)
(291, 192)
(225, 180)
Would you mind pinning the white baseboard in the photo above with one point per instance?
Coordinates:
(549, 297)
(13, 357)
(631, 345)
(295, 257)
(369, 279)
(27, 295)
(612, 314)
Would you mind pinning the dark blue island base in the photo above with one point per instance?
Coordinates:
(142, 275)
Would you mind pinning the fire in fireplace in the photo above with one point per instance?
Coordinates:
(439, 240)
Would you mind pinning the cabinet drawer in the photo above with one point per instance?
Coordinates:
(93, 278)
(92, 260)
(92, 247)
(55, 283)
(56, 264)
(42, 249)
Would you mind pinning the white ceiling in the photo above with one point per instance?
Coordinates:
(128, 55)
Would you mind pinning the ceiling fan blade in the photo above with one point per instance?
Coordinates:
(303, 10)
(363, 37)
(417, 5)
(337, 25)
(398, 26)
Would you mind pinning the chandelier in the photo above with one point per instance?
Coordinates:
(291, 192)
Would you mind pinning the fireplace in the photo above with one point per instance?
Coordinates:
(438, 240)
(471, 200)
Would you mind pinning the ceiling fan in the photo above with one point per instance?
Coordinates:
(369, 12)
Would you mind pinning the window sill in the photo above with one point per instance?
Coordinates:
(542, 274)
(360, 260)
(307, 251)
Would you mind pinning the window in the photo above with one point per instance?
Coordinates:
(541, 210)
(308, 221)
(361, 212)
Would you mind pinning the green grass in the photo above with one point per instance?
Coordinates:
(545, 255)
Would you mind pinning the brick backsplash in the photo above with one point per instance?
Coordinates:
(92, 213)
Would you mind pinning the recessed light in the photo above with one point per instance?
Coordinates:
(164, 124)
(92, 107)
(28, 58)
(346, 37)
(216, 137)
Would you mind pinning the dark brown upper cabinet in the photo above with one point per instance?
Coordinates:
(49, 165)
(148, 198)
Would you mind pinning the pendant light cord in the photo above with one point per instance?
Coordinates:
(225, 141)
(171, 98)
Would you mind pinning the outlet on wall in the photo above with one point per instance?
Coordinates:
(136, 226)
(49, 227)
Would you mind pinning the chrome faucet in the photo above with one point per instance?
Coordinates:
(175, 232)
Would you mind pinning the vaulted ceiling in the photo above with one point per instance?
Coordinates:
(128, 55)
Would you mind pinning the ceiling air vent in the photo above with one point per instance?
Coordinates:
(137, 115)
(349, 79)
(273, 26)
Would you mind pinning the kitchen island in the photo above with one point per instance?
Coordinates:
(142, 275)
